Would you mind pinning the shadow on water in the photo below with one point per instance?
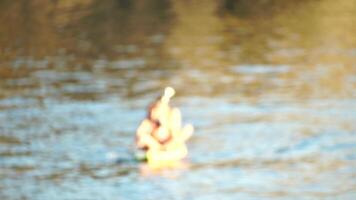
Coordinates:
(269, 86)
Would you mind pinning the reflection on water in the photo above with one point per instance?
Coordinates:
(269, 85)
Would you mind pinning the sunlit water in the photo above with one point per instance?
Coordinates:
(272, 98)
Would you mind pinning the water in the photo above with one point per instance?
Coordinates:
(269, 87)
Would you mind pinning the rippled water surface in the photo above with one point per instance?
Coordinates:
(268, 85)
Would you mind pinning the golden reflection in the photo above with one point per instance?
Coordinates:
(203, 41)
(196, 34)
(86, 29)
(66, 11)
(315, 37)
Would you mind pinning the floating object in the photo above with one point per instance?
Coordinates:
(160, 136)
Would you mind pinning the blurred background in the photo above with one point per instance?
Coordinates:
(268, 84)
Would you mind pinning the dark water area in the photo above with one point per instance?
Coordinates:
(268, 84)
